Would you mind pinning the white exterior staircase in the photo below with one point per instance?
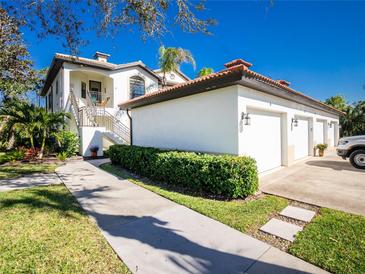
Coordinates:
(91, 116)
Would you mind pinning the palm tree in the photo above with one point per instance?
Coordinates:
(19, 117)
(205, 71)
(48, 123)
(28, 120)
(170, 59)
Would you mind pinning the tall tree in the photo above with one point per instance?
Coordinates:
(66, 19)
(49, 122)
(18, 117)
(353, 121)
(338, 102)
(170, 59)
(205, 71)
(16, 73)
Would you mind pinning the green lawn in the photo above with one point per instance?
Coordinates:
(245, 216)
(335, 241)
(44, 230)
(12, 170)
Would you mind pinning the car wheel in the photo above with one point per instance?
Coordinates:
(357, 158)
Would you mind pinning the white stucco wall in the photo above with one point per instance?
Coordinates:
(172, 77)
(202, 122)
(211, 122)
(249, 98)
(91, 136)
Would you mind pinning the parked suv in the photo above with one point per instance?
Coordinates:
(353, 148)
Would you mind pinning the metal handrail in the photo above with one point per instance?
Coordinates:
(74, 107)
(100, 117)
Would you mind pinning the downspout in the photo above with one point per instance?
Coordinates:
(131, 128)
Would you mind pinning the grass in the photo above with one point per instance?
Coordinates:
(16, 169)
(44, 230)
(334, 240)
(245, 216)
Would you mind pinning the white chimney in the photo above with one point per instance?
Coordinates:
(101, 56)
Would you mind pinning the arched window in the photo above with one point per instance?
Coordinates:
(137, 87)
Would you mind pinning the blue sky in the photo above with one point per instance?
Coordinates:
(318, 46)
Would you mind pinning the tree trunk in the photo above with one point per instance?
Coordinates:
(11, 141)
(31, 141)
(42, 145)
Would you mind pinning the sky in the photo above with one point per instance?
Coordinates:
(318, 46)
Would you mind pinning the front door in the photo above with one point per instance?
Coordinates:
(95, 91)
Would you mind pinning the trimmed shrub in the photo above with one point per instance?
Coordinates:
(223, 175)
(68, 143)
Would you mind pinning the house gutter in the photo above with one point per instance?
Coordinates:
(288, 95)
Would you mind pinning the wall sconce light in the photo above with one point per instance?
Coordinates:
(245, 117)
(294, 122)
(330, 125)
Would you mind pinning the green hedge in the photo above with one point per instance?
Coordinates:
(225, 175)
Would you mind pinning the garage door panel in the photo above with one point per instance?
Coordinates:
(331, 135)
(301, 139)
(319, 132)
(262, 139)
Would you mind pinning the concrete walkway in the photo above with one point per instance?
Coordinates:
(31, 180)
(326, 182)
(154, 235)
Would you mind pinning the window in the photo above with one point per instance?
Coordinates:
(137, 87)
(50, 100)
(95, 91)
(83, 90)
(56, 87)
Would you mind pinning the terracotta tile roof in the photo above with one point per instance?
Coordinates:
(236, 66)
(238, 62)
(284, 82)
(217, 75)
(59, 58)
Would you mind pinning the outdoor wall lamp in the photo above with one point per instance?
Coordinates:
(330, 125)
(245, 117)
(294, 122)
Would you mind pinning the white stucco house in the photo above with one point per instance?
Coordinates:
(235, 111)
(91, 90)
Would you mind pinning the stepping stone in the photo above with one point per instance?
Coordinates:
(281, 229)
(298, 213)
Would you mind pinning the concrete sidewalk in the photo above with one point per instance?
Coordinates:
(154, 235)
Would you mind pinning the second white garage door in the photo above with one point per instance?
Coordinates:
(319, 132)
(301, 139)
(262, 139)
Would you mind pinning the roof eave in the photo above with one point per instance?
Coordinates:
(196, 88)
(288, 95)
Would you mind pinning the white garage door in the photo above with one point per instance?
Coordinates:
(319, 132)
(300, 137)
(262, 139)
(331, 135)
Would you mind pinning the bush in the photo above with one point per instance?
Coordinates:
(31, 154)
(11, 156)
(224, 175)
(68, 143)
(322, 146)
(62, 156)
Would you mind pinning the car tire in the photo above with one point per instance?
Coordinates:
(357, 158)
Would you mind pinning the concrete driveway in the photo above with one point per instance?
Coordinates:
(327, 182)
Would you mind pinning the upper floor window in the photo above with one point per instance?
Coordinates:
(137, 86)
(57, 87)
